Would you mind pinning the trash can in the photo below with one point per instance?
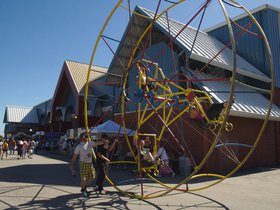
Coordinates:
(184, 166)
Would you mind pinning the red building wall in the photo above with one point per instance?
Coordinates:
(245, 131)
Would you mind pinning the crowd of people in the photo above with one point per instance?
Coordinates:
(94, 156)
(22, 148)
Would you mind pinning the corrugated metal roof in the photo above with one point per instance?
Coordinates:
(206, 47)
(18, 114)
(248, 102)
(78, 72)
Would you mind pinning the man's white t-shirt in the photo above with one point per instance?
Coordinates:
(85, 151)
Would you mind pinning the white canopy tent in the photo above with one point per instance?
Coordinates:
(110, 127)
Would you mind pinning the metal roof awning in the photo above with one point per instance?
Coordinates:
(248, 101)
(18, 114)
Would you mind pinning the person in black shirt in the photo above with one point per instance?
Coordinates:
(102, 152)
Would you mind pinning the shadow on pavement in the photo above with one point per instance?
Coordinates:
(39, 174)
(52, 176)
(113, 200)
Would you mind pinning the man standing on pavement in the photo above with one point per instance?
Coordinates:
(87, 173)
(102, 160)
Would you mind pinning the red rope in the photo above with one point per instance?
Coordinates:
(130, 26)
(150, 30)
(171, 44)
(227, 45)
(113, 52)
(190, 80)
(183, 28)
(103, 116)
(246, 30)
(172, 134)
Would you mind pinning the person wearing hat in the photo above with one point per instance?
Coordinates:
(85, 152)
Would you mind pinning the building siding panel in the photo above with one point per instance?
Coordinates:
(252, 48)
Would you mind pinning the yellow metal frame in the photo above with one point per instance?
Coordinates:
(220, 123)
(167, 95)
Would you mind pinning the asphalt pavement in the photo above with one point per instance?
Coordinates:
(44, 182)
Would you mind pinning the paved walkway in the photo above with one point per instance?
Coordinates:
(44, 182)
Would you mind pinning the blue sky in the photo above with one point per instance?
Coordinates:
(37, 36)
